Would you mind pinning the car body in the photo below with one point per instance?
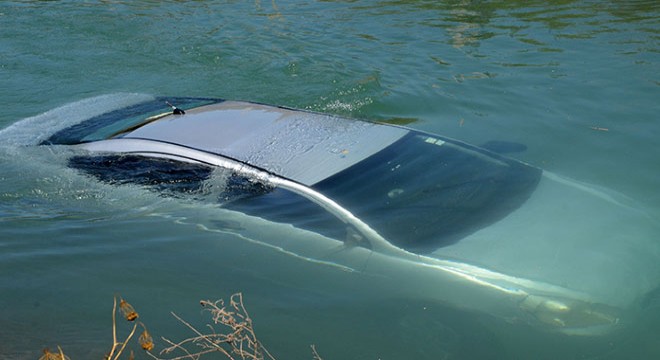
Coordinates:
(418, 214)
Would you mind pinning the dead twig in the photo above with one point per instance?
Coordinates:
(238, 339)
(130, 315)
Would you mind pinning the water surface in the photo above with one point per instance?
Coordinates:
(575, 81)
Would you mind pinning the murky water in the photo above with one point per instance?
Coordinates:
(575, 81)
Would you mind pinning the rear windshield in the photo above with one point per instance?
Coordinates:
(420, 193)
(106, 125)
(423, 192)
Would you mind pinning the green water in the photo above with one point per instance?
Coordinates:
(576, 81)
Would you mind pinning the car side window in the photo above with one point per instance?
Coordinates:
(284, 206)
(208, 183)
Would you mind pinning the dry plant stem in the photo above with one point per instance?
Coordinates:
(211, 346)
(238, 341)
(123, 345)
(61, 352)
(188, 355)
(228, 318)
(206, 338)
(315, 354)
(114, 328)
(115, 344)
(225, 317)
(54, 356)
(179, 347)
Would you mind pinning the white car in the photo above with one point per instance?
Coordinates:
(415, 213)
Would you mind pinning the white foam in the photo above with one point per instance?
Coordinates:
(32, 130)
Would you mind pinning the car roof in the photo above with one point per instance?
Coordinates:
(302, 146)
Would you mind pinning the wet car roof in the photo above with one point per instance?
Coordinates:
(300, 146)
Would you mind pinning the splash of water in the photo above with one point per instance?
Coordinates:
(32, 130)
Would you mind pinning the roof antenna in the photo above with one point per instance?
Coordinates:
(175, 110)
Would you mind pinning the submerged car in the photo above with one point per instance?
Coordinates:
(421, 214)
